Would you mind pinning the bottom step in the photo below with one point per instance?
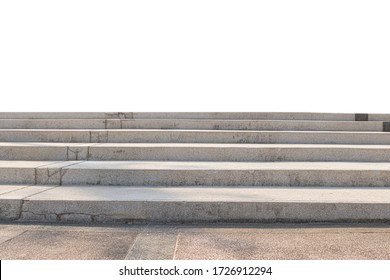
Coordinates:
(193, 204)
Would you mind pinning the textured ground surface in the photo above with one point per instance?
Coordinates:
(276, 241)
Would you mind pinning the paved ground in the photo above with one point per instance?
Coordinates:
(276, 241)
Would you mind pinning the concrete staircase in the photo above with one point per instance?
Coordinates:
(194, 167)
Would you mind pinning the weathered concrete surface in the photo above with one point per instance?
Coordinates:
(196, 173)
(62, 245)
(12, 198)
(154, 244)
(66, 115)
(244, 115)
(192, 136)
(251, 125)
(160, 173)
(192, 152)
(193, 204)
(285, 244)
(42, 135)
(44, 151)
(62, 124)
(228, 157)
(199, 242)
(238, 152)
(20, 172)
(192, 115)
(210, 124)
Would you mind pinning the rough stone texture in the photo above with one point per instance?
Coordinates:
(19, 172)
(283, 244)
(10, 209)
(143, 205)
(7, 232)
(251, 125)
(10, 188)
(64, 245)
(53, 173)
(159, 245)
(192, 152)
(42, 135)
(245, 115)
(66, 115)
(157, 173)
(188, 167)
(239, 152)
(193, 136)
(199, 242)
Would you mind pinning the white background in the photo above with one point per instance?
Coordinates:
(195, 55)
(281, 270)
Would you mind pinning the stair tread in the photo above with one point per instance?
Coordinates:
(199, 165)
(198, 194)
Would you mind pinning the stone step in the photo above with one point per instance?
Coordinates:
(195, 173)
(198, 115)
(66, 115)
(210, 124)
(192, 136)
(245, 115)
(119, 204)
(193, 152)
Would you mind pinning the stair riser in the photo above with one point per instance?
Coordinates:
(192, 154)
(226, 178)
(66, 115)
(189, 124)
(73, 176)
(142, 136)
(159, 211)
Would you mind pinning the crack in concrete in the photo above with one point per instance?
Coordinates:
(15, 190)
(13, 237)
(135, 241)
(77, 152)
(176, 246)
(26, 198)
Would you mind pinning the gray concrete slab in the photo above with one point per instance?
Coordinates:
(36, 151)
(144, 205)
(212, 194)
(32, 172)
(66, 115)
(271, 125)
(25, 192)
(56, 124)
(199, 242)
(10, 188)
(150, 245)
(238, 152)
(285, 245)
(196, 173)
(244, 115)
(9, 232)
(193, 152)
(19, 172)
(192, 136)
(161, 173)
(45, 135)
(64, 245)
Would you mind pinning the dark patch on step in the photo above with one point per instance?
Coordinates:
(386, 126)
(361, 117)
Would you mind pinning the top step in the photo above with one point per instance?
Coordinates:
(197, 115)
